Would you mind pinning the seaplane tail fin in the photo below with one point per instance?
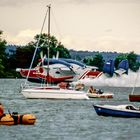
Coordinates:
(122, 67)
(108, 67)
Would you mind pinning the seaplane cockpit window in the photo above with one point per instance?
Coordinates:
(57, 72)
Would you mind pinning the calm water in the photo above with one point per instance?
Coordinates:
(66, 119)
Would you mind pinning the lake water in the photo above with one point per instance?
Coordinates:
(66, 119)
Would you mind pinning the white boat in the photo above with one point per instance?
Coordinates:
(53, 93)
(103, 95)
(98, 93)
(128, 110)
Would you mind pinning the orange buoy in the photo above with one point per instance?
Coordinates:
(6, 119)
(27, 119)
(15, 118)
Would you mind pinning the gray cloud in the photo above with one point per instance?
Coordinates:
(13, 3)
(97, 1)
(90, 19)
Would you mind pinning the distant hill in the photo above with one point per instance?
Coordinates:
(77, 55)
(10, 49)
(80, 55)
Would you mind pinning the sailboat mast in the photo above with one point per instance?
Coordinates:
(49, 8)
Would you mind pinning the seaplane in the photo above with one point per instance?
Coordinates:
(59, 70)
(69, 70)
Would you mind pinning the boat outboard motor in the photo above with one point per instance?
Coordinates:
(100, 91)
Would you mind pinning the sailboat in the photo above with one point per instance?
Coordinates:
(51, 92)
(134, 97)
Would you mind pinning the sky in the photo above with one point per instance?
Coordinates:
(92, 25)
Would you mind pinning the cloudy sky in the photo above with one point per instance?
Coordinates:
(93, 25)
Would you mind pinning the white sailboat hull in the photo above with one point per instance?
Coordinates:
(54, 94)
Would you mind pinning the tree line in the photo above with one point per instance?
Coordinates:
(23, 55)
(98, 61)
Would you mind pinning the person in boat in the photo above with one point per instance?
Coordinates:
(130, 107)
(79, 86)
(63, 85)
(1, 110)
(92, 90)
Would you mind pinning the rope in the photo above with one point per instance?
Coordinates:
(36, 46)
(57, 27)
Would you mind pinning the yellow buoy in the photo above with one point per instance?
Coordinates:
(15, 118)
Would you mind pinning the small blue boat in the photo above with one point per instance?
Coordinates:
(127, 111)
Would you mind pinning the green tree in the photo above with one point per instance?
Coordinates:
(2, 56)
(119, 58)
(54, 46)
(133, 63)
(97, 61)
(132, 60)
(24, 56)
(87, 60)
